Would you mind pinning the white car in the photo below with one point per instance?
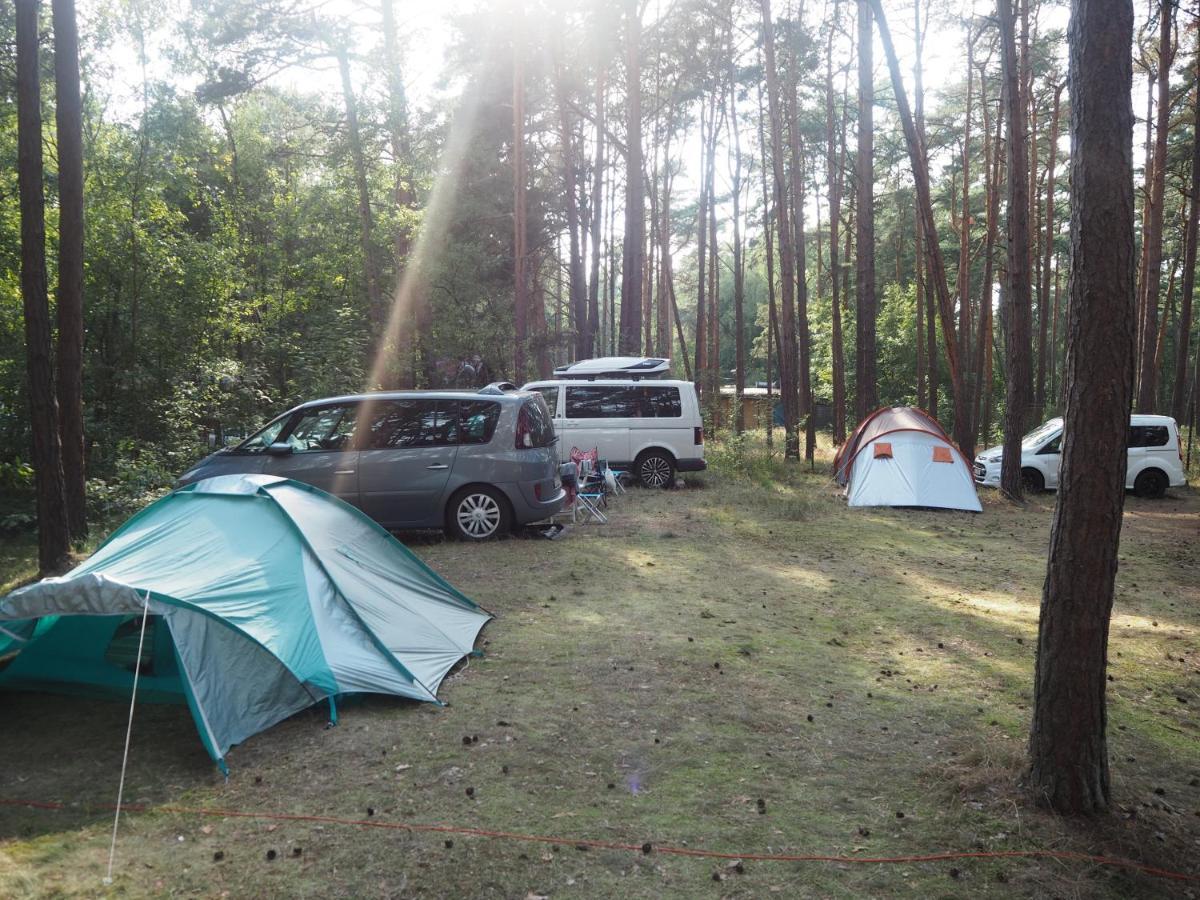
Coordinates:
(1155, 460)
(651, 427)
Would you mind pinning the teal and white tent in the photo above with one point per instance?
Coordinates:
(263, 596)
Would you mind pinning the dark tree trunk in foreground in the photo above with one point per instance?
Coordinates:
(1179, 396)
(789, 355)
(935, 266)
(1017, 326)
(632, 258)
(69, 120)
(866, 391)
(1068, 747)
(53, 535)
(1147, 381)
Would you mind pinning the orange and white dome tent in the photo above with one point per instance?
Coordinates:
(901, 456)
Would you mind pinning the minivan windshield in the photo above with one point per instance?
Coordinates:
(1034, 439)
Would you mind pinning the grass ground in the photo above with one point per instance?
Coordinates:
(743, 664)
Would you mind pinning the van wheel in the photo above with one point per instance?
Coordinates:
(655, 469)
(1032, 481)
(1150, 483)
(477, 514)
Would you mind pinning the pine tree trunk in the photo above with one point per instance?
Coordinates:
(789, 356)
(835, 181)
(983, 353)
(769, 253)
(1148, 376)
(632, 258)
(520, 278)
(935, 266)
(1179, 398)
(69, 121)
(576, 286)
(366, 222)
(1068, 745)
(1017, 326)
(866, 392)
(53, 532)
(701, 345)
(963, 276)
(739, 274)
(796, 153)
(411, 314)
(1039, 397)
(593, 316)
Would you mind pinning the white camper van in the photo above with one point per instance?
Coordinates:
(637, 421)
(1155, 460)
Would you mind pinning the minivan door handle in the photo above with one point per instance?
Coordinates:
(438, 466)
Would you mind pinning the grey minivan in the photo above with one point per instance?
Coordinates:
(475, 464)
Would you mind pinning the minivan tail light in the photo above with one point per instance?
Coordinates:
(524, 438)
(699, 435)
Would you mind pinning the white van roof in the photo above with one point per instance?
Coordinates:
(615, 367)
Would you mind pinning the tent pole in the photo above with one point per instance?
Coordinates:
(137, 671)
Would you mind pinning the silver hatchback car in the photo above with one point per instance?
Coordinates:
(475, 464)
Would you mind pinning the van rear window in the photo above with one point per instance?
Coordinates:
(623, 402)
(1148, 435)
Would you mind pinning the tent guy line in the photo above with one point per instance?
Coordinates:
(645, 848)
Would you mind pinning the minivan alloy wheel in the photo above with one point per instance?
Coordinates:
(478, 515)
(655, 471)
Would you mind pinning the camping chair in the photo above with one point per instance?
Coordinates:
(579, 501)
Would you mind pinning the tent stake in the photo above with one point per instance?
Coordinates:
(137, 671)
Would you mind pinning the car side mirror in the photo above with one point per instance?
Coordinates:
(281, 448)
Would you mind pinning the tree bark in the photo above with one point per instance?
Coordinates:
(1039, 397)
(1068, 745)
(935, 266)
(918, 275)
(520, 277)
(593, 316)
(1179, 398)
(835, 182)
(576, 288)
(769, 248)
(866, 391)
(701, 344)
(632, 258)
(1017, 326)
(796, 152)
(739, 274)
(1147, 383)
(963, 275)
(53, 532)
(366, 221)
(983, 358)
(69, 121)
(788, 357)
(413, 320)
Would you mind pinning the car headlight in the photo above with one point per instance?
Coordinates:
(994, 459)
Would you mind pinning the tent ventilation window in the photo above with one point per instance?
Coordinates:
(883, 450)
(122, 649)
(942, 455)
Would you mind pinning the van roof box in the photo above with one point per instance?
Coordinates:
(634, 367)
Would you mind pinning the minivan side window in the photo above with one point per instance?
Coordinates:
(602, 402)
(619, 402)
(325, 429)
(1148, 435)
(661, 402)
(1052, 446)
(395, 424)
(476, 420)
